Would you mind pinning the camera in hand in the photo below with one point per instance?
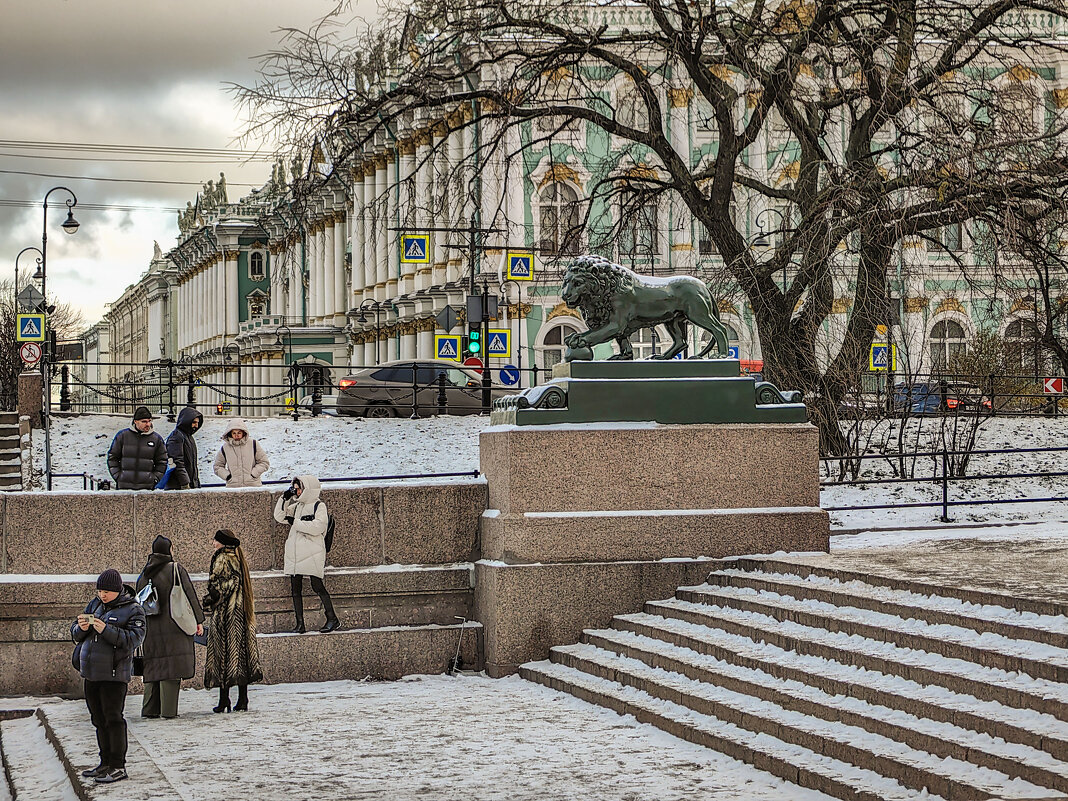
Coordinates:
(289, 493)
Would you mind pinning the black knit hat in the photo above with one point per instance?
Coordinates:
(142, 413)
(225, 536)
(109, 580)
(161, 545)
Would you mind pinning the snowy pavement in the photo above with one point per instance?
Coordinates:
(467, 737)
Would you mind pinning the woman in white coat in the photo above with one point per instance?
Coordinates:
(306, 546)
(241, 461)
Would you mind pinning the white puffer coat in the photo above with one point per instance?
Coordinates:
(241, 464)
(306, 545)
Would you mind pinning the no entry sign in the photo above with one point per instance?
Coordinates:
(1053, 386)
(30, 353)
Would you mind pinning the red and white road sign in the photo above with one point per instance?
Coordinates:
(1053, 386)
(30, 353)
(474, 363)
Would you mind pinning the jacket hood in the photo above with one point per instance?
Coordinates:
(155, 563)
(186, 418)
(125, 597)
(236, 425)
(312, 488)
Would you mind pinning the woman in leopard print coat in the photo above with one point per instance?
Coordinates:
(233, 658)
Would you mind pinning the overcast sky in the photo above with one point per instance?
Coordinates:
(148, 73)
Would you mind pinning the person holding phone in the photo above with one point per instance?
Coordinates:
(106, 634)
(305, 555)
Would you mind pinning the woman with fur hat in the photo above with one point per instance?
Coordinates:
(241, 461)
(300, 507)
(168, 650)
(107, 633)
(233, 657)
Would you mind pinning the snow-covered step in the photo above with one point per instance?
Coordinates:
(789, 761)
(946, 776)
(992, 650)
(1008, 687)
(967, 594)
(904, 603)
(1027, 727)
(940, 738)
(36, 771)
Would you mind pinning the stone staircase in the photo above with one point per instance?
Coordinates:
(10, 452)
(858, 686)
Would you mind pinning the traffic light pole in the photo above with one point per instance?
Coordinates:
(487, 382)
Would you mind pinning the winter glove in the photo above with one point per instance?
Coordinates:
(289, 519)
(289, 493)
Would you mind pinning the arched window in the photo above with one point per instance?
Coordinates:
(947, 342)
(558, 219)
(630, 108)
(553, 347)
(1021, 346)
(639, 231)
(256, 269)
(703, 338)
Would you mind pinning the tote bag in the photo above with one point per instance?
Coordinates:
(181, 609)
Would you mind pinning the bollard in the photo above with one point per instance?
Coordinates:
(317, 400)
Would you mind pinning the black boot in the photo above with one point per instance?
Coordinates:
(298, 603)
(332, 623)
(224, 701)
(242, 698)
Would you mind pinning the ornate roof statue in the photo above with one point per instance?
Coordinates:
(157, 254)
(220, 189)
(297, 168)
(208, 201)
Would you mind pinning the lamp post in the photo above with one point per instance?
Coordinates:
(235, 349)
(519, 314)
(292, 367)
(40, 258)
(763, 241)
(362, 319)
(69, 226)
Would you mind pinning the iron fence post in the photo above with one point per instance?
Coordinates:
(443, 399)
(170, 390)
(415, 393)
(945, 487)
(64, 389)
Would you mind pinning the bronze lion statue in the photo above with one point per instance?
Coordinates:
(615, 302)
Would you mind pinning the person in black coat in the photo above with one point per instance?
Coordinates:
(183, 450)
(137, 458)
(106, 635)
(168, 650)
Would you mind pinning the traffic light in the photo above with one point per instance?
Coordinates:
(474, 341)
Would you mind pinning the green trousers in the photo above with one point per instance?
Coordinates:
(161, 699)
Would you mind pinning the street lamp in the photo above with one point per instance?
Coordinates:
(519, 314)
(292, 367)
(763, 238)
(235, 349)
(378, 325)
(69, 226)
(40, 257)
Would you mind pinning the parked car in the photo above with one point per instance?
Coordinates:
(940, 397)
(386, 389)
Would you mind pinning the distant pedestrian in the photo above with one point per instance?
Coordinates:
(137, 458)
(233, 657)
(241, 461)
(168, 651)
(182, 450)
(107, 633)
(305, 555)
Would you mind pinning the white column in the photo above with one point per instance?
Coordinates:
(329, 270)
(409, 209)
(320, 271)
(424, 348)
(407, 346)
(231, 302)
(313, 272)
(441, 205)
(341, 291)
(457, 202)
(424, 186)
(391, 238)
(356, 273)
(370, 230)
(381, 232)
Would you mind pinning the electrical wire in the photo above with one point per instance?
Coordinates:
(32, 204)
(136, 149)
(113, 180)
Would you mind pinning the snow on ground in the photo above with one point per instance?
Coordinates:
(344, 446)
(422, 737)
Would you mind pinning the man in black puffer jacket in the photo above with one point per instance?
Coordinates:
(183, 450)
(107, 633)
(137, 458)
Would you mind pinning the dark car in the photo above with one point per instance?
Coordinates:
(386, 389)
(940, 397)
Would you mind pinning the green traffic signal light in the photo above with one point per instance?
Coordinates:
(474, 341)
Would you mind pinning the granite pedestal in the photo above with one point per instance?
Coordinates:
(588, 521)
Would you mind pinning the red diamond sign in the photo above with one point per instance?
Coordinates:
(1053, 386)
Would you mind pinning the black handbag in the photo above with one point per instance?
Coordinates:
(202, 639)
(139, 662)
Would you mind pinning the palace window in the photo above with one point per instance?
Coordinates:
(947, 342)
(553, 347)
(256, 266)
(559, 220)
(948, 239)
(639, 232)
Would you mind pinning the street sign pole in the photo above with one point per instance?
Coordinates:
(487, 381)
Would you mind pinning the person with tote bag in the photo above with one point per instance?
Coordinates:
(168, 646)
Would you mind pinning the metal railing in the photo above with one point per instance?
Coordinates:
(91, 482)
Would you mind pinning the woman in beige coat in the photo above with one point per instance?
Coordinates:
(241, 461)
(300, 507)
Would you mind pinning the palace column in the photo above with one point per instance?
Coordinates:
(341, 291)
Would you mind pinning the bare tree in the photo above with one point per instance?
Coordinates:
(869, 127)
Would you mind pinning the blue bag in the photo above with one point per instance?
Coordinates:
(166, 478)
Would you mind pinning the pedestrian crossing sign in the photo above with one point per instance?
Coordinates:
(882, 357)
(521, 266)
(447, 346)
(499, 342)
(31, 328)
(415, 248)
